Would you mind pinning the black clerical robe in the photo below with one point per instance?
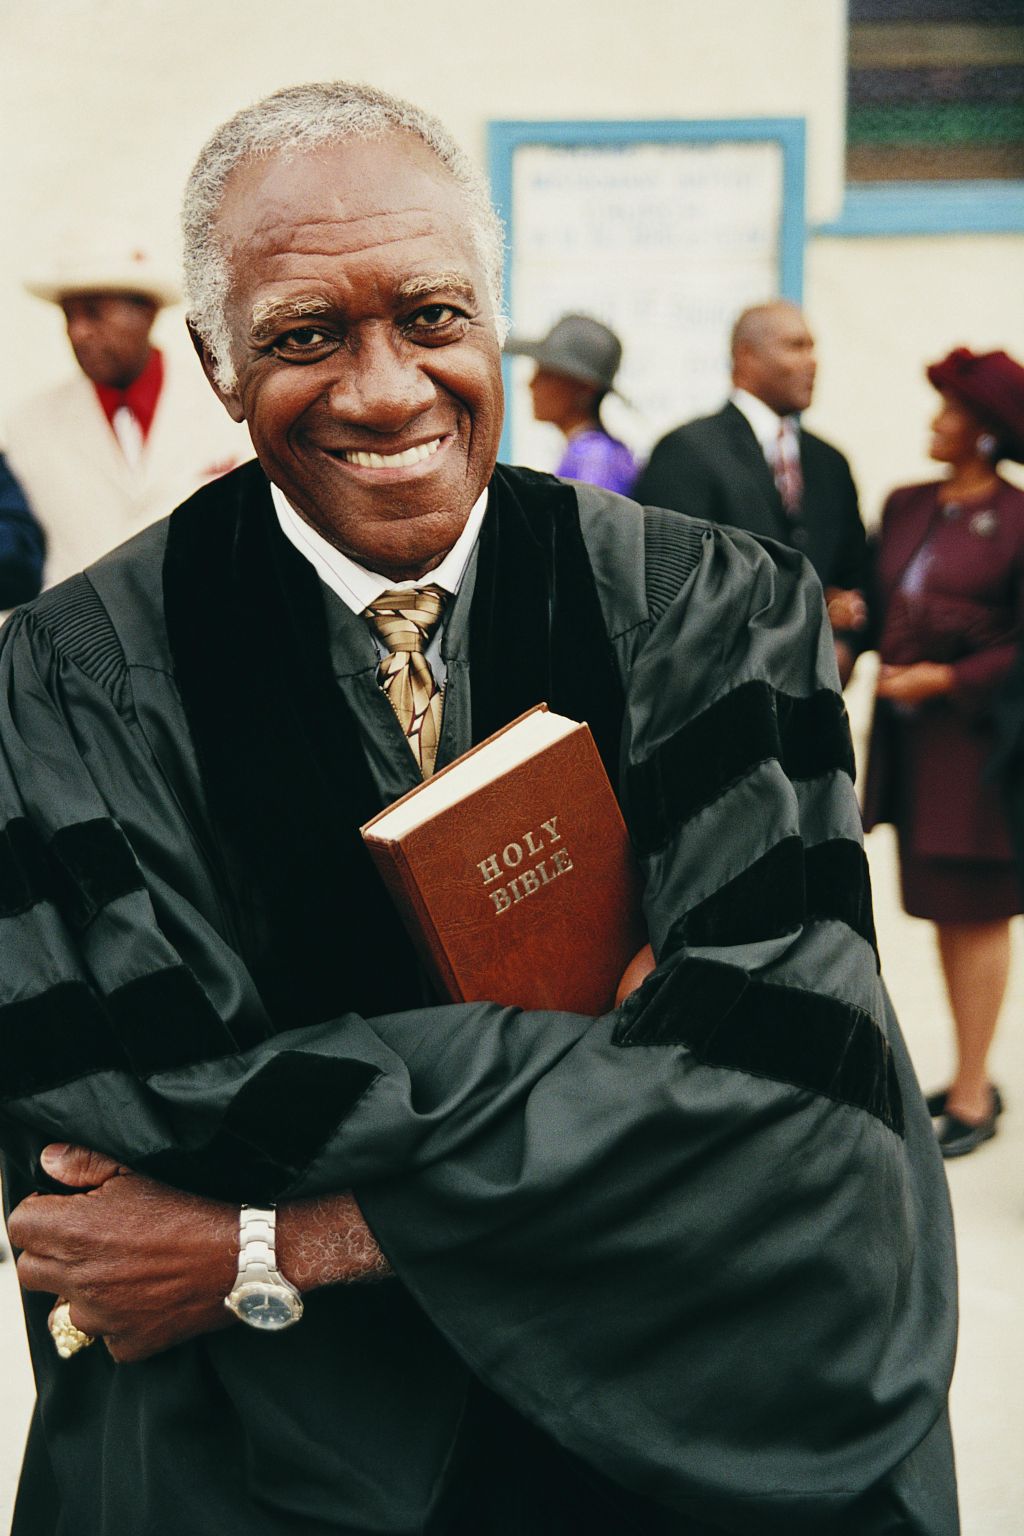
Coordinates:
(698, 1248)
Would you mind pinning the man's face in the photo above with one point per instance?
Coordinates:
(779, 362)
(364, 343)
(109, 335)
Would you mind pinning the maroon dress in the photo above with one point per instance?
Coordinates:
(950, 588)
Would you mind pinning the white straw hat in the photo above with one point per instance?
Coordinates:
(105, 261)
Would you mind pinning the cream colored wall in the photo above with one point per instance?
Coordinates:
(105, 102)
(881, 310)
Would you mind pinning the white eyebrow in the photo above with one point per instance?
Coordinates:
(437, 282)
(267, 313)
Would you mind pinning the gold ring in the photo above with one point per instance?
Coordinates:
(67, 1339)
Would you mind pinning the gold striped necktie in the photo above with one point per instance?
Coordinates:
(405, 620)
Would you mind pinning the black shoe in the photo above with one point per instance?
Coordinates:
(958, 1137)
(936, 1102)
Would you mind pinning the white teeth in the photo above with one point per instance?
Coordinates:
(394, 460)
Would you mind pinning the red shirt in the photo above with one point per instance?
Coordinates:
(140, 397)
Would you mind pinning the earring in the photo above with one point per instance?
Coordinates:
(986, 445)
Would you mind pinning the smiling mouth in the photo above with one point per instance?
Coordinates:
(402, 460)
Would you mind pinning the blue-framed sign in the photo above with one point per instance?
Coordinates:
(665, 230)
(898, 208)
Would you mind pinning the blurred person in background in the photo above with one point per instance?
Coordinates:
(754, 466)
(1007, 767)
(949, 605)
(106, 452)
(21, 544)
(576, 366)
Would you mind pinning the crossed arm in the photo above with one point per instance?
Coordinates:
(146, 1267)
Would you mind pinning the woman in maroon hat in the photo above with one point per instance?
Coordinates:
(950, 601)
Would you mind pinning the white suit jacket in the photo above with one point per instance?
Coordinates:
(82, 489)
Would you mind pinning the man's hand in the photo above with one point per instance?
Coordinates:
(147, 1267)
(846, 607)
(637, 971)
(144, 1266)
(913, 684)
(223, 467)
(77, 1167)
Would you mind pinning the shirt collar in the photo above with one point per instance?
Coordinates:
(764, 422)
(353, 583)
(140, 397)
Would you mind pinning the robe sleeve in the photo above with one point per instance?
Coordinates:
(703, 1241)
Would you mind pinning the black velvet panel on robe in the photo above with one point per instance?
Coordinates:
(84, 868)
(284, 773)
(537, 634)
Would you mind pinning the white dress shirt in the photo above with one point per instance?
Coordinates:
(765, 423)
(358, 587)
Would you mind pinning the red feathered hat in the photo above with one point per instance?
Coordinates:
(990, 384)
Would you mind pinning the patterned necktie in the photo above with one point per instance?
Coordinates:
(789, 480)
(405, 620)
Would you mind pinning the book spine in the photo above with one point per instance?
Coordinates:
(396, 872)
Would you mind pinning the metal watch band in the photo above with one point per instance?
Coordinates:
(261, 1296)
(257, 1237)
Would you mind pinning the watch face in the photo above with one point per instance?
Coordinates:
(266, 1306)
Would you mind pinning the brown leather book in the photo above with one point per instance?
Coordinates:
(513, 871)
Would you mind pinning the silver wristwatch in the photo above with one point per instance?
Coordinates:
(261, 1295)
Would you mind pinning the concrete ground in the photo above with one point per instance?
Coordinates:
(988, 1199)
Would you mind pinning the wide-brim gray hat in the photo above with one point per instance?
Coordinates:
(576, 345)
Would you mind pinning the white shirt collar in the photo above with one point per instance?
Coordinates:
(354, 584)
(764, 422)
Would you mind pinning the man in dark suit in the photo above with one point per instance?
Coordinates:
(753, 466)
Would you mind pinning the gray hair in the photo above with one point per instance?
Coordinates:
(293, 120)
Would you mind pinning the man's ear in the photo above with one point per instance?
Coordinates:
(228, 397)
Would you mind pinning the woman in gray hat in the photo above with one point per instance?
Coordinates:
(576, 365)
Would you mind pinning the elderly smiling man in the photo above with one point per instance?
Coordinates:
(685, 1268)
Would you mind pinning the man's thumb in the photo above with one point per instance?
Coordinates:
(77, 1167)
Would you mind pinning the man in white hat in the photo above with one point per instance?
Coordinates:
(106, 452)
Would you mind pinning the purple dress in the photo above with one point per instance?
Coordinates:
(598, 459)
(949, 587)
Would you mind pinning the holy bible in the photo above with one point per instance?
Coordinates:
(513, 872)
